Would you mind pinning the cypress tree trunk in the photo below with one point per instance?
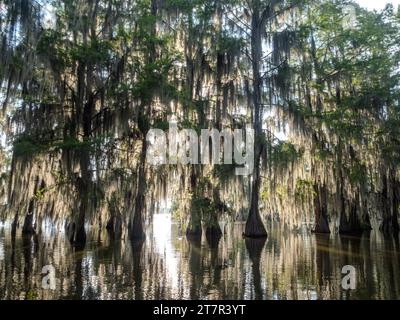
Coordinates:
(136, 225)
(84, 104)
(394, 185)
(14, 225)
(365, 219)
(28, 227)
(320, 210)
(254, 225)
(213, 229)
(114, 224)
(355, 224)
(352, 224)
(76, 228)
(390, 204)
(343, 223)
(194, 228)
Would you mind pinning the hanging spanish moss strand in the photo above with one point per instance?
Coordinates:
(82, 85)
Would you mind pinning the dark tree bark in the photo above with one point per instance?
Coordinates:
(114, 224)
(136, 225)
(84, 108)
(76, 228)
(343, 224)
(254, 225)
(194, 229)
(14, 226)
(213, 229)
(352, 224)
(390, 204)
(213, 232)
(321, 224)
(194, 226)
(28, 227)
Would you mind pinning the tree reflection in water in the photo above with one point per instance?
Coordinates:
(255, 248)
(287, 265)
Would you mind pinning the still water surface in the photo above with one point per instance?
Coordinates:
(167, 266)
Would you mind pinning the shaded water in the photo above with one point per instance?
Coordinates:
(167, 266)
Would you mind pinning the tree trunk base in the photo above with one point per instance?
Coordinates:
(349, 228)
(136, 225)
(136, 232)
(389, 226)
(351, 232)
(213, 232)
(322, 226)
(321, 231)
(76, 235)
(213, 236)
(28, 228)
(255, 227)
(354, 230)
(193, 232)
(136, 229)
(137, 236)
(114, 227)
(14, 226)
(194, 228)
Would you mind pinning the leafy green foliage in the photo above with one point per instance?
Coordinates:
(285, 153)
(304, 188)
